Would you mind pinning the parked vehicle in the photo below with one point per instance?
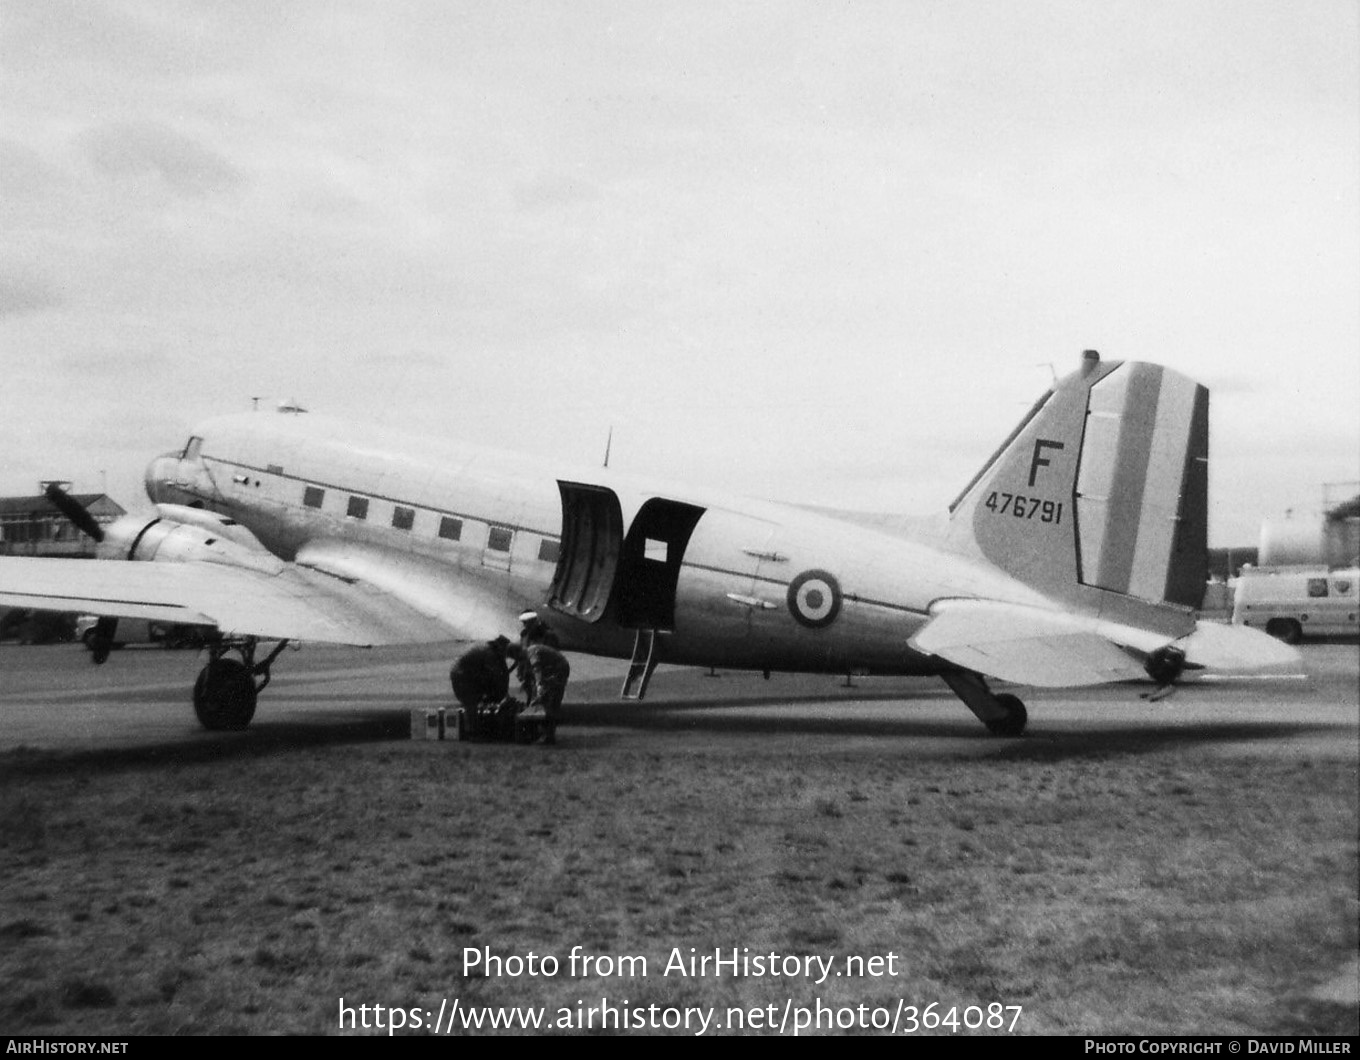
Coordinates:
(36, 627)
(140, 631)
(1292, 603)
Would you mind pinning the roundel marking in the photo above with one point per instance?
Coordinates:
(815, 598)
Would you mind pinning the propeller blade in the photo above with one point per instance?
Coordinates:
(68, 507)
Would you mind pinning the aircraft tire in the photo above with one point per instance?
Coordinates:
(1013, 724)
(1285, 629)
(224, 696)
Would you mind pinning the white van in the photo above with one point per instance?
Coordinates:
(1293, 603)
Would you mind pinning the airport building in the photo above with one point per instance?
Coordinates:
(33, 526)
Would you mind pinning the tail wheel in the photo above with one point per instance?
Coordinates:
(224, 696)
(1285, 629)
(1013, 724)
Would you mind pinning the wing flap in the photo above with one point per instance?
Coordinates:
(293, 603)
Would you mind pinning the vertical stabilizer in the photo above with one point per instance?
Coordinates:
(1099, 498)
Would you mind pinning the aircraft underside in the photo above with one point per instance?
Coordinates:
(226, 692)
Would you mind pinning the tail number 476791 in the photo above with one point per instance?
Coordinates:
(1021, 507)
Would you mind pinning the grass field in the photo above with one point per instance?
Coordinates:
(248, 886)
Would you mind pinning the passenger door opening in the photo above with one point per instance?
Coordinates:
(649, 567)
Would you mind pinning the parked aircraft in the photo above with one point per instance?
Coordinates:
(1075, 556)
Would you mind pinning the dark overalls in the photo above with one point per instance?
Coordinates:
(480, 674)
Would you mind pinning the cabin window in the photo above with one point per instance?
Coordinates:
(1342, 588)
(498, 540)
(549, 550)
(1317, 587)
(403, 518)
(312, 496)
(358, 508)
(450, 529)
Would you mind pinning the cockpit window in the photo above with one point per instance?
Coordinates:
(191, 448)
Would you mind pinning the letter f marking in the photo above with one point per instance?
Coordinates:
(1039, 460)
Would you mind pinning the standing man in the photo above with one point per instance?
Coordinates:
(543, 670)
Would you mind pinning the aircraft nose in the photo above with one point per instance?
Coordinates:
(159, 473)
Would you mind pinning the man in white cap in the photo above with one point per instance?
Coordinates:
(533, 628)
(542, 670)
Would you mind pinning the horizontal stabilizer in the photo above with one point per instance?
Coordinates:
(1216, 646)
(1055, 649)
(1026, 645)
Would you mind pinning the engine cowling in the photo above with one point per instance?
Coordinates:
(178, 535)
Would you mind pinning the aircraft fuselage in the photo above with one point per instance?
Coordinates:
(471, 533)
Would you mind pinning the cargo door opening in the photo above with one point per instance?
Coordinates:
(592, 544)
(649, 567)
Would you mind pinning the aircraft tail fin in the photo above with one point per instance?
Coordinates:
(1099, 498)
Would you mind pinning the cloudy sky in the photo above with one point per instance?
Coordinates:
(819, 251)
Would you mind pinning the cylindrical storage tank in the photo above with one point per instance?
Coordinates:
(1308, 540)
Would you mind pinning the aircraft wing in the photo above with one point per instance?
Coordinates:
(290, 602)
(1057, 649)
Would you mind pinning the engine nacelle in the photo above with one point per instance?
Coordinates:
(166, 539)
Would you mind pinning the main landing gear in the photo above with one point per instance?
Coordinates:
(226, 690)
(1002, 713)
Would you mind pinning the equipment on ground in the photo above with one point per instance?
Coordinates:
(505, 721)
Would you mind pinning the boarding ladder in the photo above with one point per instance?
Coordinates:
(640, 669)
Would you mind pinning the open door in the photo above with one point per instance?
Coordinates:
(633, 576)
(592, 544)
